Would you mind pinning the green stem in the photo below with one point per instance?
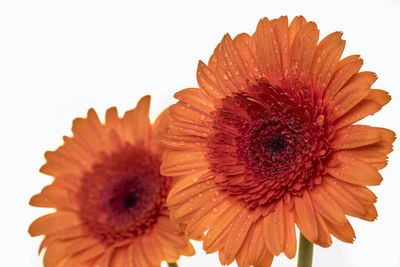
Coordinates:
(305, 252)
(173, 264)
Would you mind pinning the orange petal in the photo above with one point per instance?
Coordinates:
(324, 238)
(268, 52)
(365, 196)
(229, 68)
(221, 228)
(194, 98)
(290, 233)
(354, 171)
(184, 142)
(58, 164)
(255, 244)
(238, 233)
(56, 195)
(281, 30)
(113, 122)
(58, 250)
(326, 205)
(371, 104)
(274, 229)
(297, 23)
(190, 185)
(343, 232)
(208, 82)
(136, 123)
(90, 133)
(119, 257)
(197, 200)
(187, 128)
(201, 220)
(244, 44)
(305, 217)
(170, 253)
(349, 203)
(376, 159)
(345, 69)
(151, 249)
(54, 222)
(354, 136)
(181, 112)
(385, 145)
(371, 215)
(86, 255)
(356, 89)
(177, 163)
(326, 58)
(302, 51)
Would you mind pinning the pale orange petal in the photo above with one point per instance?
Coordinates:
(239, 230)
(345, 69)
(176, 163)
(281, 31)
(353, 171)
(305, 216)
(244, 44)
(268, 52)
(349, 203)
(54, 222)
(356, 89)
(342, 232)
(202, 219)
(136, 123)
(221, 228)
(326, 205)
(302, 51)
(57, 195)
(274, 229)
(354, 136)
(188, 128)
(181, 112)
(324, 238)
(326, 58)
(208, 83)
(290, 233)
(371, 104)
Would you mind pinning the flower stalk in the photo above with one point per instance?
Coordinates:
(173, 264)
(305, 252)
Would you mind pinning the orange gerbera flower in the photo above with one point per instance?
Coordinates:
(109, 195)
(267, 142)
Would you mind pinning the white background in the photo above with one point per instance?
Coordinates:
(59, 58)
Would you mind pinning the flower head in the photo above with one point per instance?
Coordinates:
(267, 142)
(109, 195)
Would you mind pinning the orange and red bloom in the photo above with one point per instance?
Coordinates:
(268, 142)
(109, 195)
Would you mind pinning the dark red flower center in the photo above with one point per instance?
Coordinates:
(268, 143)
(123, 194)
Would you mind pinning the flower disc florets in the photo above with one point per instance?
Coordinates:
(276, 139)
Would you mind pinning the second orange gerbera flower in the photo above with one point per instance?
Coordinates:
(267, 142)
(109, 195)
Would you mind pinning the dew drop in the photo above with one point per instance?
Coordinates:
(215, 210)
